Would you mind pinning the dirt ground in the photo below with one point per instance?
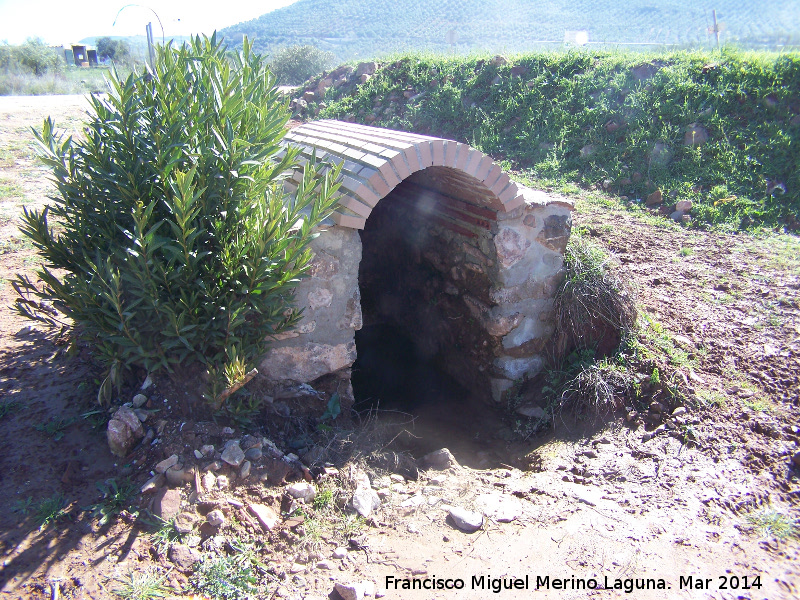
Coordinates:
(600, 502)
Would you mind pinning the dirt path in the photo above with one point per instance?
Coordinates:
(599, 506)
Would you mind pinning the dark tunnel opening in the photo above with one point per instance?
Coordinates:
(420, 351)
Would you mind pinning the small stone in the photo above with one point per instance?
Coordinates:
(339, 553)
(350, 591)
(184, 523)
(631, 416)
(397, 478)
(124, 430)
(267, 517)
(684, 206)
(207, 450)
(167, 504)
(796, 459)
(154, 483)
(297, 568)
(139, 400)
(176, 477)
(303, 490)
(365, 500)
(438, 459)
(209, 481)
(416, 500)
(183, 556)
(438, 480)
(531, 411)
(198, 455)
(696, 135)
(216, 518)
(679, 411)
(590, 454)
(140, 414)
(384, 493)
(466, 520)
(325, 565)
(233, 454)
(654, 198)
(226, 431)
(253, 454)
(244, 472)
(167, 463)
(223, 482)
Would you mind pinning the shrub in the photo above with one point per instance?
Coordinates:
(295, 64)
(595, 309)
(171, 241)
(115, 50)
(38, 58)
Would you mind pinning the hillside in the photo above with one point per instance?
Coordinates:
(367, 28)
(720, 131)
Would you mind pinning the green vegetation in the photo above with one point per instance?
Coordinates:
(230, 577)
(9, 407)
(293, 65)
(31, 57)
(115, 50)
(366, 28)
(116, 498)
(772, 523)
(178, 244)
(49, 511)
(142, 585)
(626, 122)
(165, 535)
(55, 427)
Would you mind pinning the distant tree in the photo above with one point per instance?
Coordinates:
(295, 64)
(35, 56)
(116, 50)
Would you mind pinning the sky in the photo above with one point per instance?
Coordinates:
(59, 22)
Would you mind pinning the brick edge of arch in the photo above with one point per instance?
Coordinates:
(376, 160)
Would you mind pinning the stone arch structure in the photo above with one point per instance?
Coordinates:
(490, 251)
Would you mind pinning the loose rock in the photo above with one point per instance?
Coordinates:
(183, 556)
(124, 430)
(339, 553)
(233, 454)
(267, 517)
(466, 520)
(303, 490)
(139, 400)
(365, 500)
(167, 504)
(184, 523)
(244, 472)
(439, 459)
(350, 591)
(216, 518)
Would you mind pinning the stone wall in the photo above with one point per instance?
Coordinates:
(486, 256)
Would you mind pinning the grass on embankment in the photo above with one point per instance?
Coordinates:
(73, 80)
(624, 122)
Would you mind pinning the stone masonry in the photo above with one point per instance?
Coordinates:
(499, 249)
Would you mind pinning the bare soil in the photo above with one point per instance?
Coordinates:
(595, 501)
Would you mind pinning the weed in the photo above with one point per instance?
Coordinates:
(229, 577)
(55, 427)
(350, 526)
(686, 251)
(115, 499)
(50, 510)
(323, 499)
(142, 585)
(165, 535)
(756, 404)
(711, 398)
(21, 506)
(655, 377)
(771, 523)
(9, 408)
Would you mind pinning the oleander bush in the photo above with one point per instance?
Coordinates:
(171, 242)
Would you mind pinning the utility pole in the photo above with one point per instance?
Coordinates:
(716, 27)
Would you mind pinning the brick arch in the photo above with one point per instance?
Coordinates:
(376, 160)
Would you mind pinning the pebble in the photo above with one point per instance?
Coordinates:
(226, 431)
(299, 581)
(350, 591)
(267, 517)
(154, 483)
(415, 500)
(365, 500)
(139, 400)
(183, 556)
(209, 481)
(384, 493)
(339, 553)
(216, 518)
(198, 455)
(325, 565)
(166, 464)
(207, 450)
(303, 490)
(466, 520)
(396, 478)
(233, 454)
(253, 454)
(223, 483)
(244, 472)
(679, 411)
(184, 523)
(297, 568)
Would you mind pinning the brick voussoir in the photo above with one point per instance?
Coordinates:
(492, 176)
(354, 205)
(359, 190)
(510, 192)
(450, 152)
(425, 154)
(345, 220)
(500, 184)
